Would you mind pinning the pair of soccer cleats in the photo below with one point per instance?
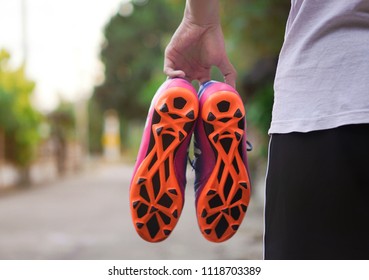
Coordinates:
(216, 116)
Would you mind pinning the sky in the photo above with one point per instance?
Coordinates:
(63, 39)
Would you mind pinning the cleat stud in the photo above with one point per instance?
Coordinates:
(159, 130)
(211, 192)
(141, 180)
(226, 211)
(164, 108)
(238, 136)
(224, 120)
(191, 115)
(211, 117)
(235, 227)
(238, 114)
(174, 116)
(173, 191)
(175, 214)
(179, 102)
(181, 136)
(135, 203)
(244, 207)
(223, 106)
(153, 209)
(204, 213)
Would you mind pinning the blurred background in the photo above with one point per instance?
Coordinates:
(76, 81)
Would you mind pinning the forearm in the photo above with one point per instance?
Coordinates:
(202, 12)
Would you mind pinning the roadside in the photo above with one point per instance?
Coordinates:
(87, 217)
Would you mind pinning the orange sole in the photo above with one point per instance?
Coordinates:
(155, 194)
(223, 201)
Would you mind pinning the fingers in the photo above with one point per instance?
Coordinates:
(189, 73)
(195, 71)
(169, 69)
(228, 72)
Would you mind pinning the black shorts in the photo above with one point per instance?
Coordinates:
(317, 195)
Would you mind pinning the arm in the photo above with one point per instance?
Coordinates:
(198, 44)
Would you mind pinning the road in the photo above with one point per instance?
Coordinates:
(86, 216)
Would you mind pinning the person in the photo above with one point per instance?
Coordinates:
(317, 183)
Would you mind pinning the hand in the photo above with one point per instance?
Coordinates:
(194, 49)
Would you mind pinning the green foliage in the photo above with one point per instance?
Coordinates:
(18, 119)
(133, 57)
(254, 29)
(259, 115)
(63, 121)
(259, 111)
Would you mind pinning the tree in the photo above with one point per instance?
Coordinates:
(133, 56)
(254, 29)
(19, 121)
(63, 124)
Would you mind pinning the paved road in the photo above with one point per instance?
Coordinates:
(87, 217)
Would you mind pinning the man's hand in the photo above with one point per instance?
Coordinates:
(194, 49)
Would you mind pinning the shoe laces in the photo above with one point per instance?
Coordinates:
(197, 153)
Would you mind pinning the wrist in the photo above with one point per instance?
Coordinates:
(202, 13)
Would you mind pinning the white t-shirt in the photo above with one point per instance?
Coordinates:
(322, 79)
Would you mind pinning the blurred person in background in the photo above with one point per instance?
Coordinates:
(317, 186)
